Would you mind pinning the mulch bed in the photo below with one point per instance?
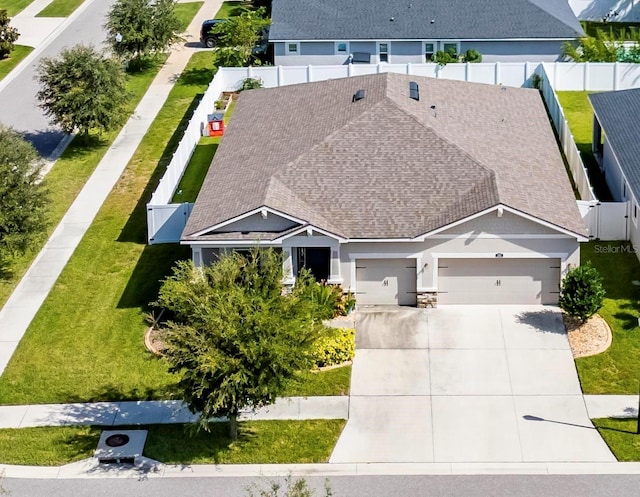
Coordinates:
(589, 338)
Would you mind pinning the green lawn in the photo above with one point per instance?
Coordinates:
(60, 8)
(617, 30)
(259, 442)
(579, 114)
(18, 53)
(620, 435)
(185, 12)
(230, 9)
(617, 370)
(196, 170)
(13, 7)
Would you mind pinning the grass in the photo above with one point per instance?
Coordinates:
(259, 442)
(13, 7)
(230, 9)
(185, 12)
(193, 177)
(330, 382)
(19, 52)
(616, 30)
(617, 370)
(60, 8)
(579, 114)
(620, 436)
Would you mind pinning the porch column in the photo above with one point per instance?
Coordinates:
(287, 266)
(334, 265)
(196, 256)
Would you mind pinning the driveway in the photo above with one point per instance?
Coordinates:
(466, 384)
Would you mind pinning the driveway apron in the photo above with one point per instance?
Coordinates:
(466, 384)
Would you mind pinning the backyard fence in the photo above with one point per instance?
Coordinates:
(605, 220)
(165, 221)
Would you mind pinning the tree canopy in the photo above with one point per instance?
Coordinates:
(238, 37)
(138, 28)
(23, 197)
(236, 339)
(83, 90)
(8, 35)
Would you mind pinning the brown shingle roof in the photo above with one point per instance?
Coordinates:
(387, 166)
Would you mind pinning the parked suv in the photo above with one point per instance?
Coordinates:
(207, 38)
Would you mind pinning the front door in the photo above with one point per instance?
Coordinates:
(315, 259)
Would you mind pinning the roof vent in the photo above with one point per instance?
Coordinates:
(359, 95)
(414, 90)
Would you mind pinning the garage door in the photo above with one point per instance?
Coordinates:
(498, 281)
(386, 281)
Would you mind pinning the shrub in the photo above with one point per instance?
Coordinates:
(329, 300)
(582, 292)
(8, 35)
(472, 56)
(443, 58)
(334, 347)
(250, 84)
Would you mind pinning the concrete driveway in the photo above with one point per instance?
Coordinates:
(466, 384)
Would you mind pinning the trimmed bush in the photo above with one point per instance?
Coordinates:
(334, 347)
(582, 292)
(330, 300)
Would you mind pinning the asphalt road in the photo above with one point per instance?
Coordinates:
(18, 103)
(343, 486)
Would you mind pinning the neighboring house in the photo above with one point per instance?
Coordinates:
(400, 188)
(616, 145)
(411, 31)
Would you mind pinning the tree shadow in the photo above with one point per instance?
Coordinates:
(200, 76)
(44, 141)
(628, 315)
(544, 321)
(115, 393)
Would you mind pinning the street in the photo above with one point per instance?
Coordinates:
(342, 486)
(18, 103)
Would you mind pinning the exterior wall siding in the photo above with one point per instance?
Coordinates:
(612, 173)
(516, 51)
(507, 224)
(255, 222)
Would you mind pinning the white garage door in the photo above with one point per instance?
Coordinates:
(386, 281)
(498, 281)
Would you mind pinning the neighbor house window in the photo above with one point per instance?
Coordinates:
(383, 52)
(635, 214)
(293, 48)
(429, 50)
(342, 48)
(451, 48)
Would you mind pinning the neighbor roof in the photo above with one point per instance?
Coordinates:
(453, 19)
(386, 166)
(618, 113)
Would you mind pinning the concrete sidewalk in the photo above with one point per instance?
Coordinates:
(162, 412)
(25, 301)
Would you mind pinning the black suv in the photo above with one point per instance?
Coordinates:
(207, 38)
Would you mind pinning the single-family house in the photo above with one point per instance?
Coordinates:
(616, 145)
(412, 31)
(403, 189)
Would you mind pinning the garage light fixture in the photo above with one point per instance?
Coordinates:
(499, 255)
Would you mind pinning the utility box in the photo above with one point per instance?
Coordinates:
(216, 124)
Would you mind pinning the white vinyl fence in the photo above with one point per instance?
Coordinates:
(605, 220)
(166, 221)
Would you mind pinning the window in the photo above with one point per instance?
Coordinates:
(292, 48)
(429, 50)
(383, 52)
(451, 48)
(342, 48)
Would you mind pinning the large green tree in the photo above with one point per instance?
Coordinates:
(8, 35)
(83, 90)
(139, 28)
(238, 37)
(236, 339)
(23, 197)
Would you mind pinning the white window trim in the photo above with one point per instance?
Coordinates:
(286, 47)
(388, 43)
(424, 52)
(634, 212)
(337, 52)
(450, 42)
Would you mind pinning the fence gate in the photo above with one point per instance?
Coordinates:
(606, 221)
(166, 222)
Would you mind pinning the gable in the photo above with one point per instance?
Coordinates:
(508, 224)
(272, 223)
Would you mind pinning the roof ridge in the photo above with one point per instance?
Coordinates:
(537, 4)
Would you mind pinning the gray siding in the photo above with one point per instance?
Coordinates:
(612, 173)
(363, 46)
(317, 48)
(210, 255)
(507, 224)
(278, 49)
(516, 51)
(406, 48)
(272, 224)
